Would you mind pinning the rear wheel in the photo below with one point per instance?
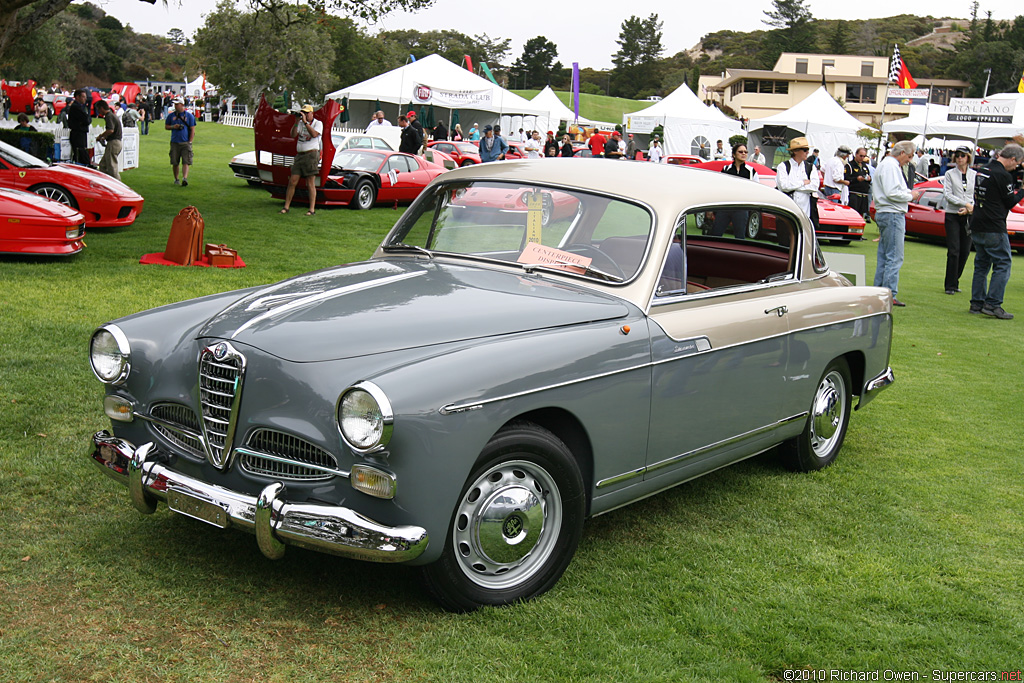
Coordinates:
(365, 195)
(467, 162)
(516, 524)
(819, 444)
(753, 225)
(56, 193)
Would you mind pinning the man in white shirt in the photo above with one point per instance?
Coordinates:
(378, 121)
(758, 158)
(889, 188)
(307, 132)
(835, 174)
(799, 179)
(921, 165)
(533, 146)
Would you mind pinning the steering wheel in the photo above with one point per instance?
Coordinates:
(599, 259)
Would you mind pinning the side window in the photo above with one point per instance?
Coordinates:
(398, 162)
(360, 143)
(930, 199)
(380, 144)
(726, 247)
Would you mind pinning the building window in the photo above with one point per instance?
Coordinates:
(861, 93)
(749, 86)
(828, 63)
(942, 95)
(867, 69)
(801, 66)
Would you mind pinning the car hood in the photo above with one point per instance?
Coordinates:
(387, 305)
(87, 175)
(16, 205)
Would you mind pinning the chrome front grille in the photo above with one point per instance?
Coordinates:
(180, 416)
(221, 370)
(283, 456)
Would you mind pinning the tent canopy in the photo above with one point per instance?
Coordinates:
(548, 101)
(820, 119)
(934, 115)
(691, 127)
(433, 80)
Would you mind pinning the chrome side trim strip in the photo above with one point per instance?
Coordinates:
(703, 346)
(699, 451)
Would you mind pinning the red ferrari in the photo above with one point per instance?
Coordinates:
(684, 160)
(464, 153)
(30, 224)
(361, 178)
(837, 222)
(104, 201)
(926, 220)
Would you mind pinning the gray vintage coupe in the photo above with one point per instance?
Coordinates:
(535, 342)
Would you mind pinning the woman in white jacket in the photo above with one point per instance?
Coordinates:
(958, 202)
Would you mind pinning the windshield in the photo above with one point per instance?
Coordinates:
(13, 156)
(541, 228)
(358, 160)
(467, 147)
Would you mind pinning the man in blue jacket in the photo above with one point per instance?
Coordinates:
(492, 147)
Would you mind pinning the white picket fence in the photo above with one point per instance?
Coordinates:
(128, 158)
(245, 121)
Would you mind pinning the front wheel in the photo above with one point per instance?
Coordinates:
(56, 193)
(516, 525)
(819, 444)
(365, 195)
(753, 225)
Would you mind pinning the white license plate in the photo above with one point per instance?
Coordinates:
(197, 508)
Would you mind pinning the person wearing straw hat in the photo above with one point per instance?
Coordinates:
(799, 179)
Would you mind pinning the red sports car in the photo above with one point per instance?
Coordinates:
(926, 220)
(30, 224)
(361, 178)
(837, 222)
(553, 205)
(464, 153)
(683, 159)
(104, 201)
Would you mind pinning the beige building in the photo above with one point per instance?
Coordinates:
(859, 82)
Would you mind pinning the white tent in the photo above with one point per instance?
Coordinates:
(819, 118)
(548, 101)
(199, 87)
(938, 125)
(690, 125)
(433, 82)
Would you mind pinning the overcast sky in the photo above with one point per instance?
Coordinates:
(584, 32)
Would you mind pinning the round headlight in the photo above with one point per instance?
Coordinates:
(110, 355)
(365, 417)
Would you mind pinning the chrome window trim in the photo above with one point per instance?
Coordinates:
(674, 297)
(123, 346)
(386, 411)
(462, 407)
(625, 476)
(436, 185)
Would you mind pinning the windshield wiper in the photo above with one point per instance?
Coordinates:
(587, 270)
(402, 246)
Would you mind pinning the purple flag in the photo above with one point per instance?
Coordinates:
(576, 89)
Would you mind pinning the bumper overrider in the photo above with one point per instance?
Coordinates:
(276, 522)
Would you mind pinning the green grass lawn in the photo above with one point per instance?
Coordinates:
(596, 107)
(905, 555)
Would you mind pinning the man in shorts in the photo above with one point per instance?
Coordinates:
(307, 131)
(183, 129)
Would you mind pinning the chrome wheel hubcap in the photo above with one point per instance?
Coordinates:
(506, 524)
(53, 194)
(364, 195)
(828, 410)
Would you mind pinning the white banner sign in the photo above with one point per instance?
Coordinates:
(907, 96)
(981, 110)
(642, 124)
(453, 99)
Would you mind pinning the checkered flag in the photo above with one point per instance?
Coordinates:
(894, 64)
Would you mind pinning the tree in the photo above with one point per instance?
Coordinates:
(793, 32)
(837, 41)
(537, 63)
(636, 61)
(176, 36)
(451, 45)
(247, 55)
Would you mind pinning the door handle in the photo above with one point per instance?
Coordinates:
(778, 310)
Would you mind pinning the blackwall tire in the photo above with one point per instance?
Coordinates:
(516, 524)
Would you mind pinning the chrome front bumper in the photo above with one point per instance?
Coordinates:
(874, 385)
(276, 522)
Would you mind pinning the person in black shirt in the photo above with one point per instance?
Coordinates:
(994, 196)
(738, 217)
(79, 120)
(410, 142)
(551, 146)
(859, 175)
